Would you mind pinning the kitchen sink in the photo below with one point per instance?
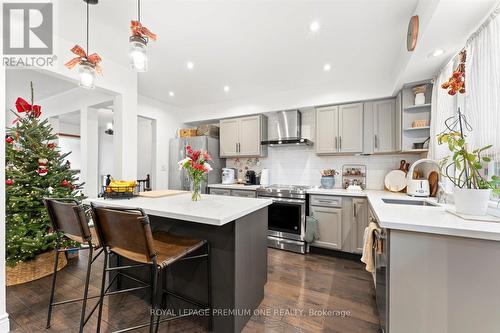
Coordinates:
(410, 202)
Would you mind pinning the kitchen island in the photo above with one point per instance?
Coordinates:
(237, 231)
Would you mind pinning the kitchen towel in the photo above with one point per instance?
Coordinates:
(368, 245)
(312, 231)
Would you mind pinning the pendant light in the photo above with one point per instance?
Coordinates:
(138, 42)
(88, 65)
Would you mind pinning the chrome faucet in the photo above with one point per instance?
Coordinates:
(441, 193)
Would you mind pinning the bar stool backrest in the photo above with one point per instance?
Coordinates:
(125, 231)
(67, 216)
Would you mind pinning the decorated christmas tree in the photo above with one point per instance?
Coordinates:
(35, 169)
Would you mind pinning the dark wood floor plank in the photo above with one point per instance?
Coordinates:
(299, 287)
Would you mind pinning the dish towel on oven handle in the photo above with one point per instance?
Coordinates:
(312, 230)
(369, 243)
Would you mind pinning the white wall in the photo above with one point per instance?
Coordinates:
(300, 165)
(167, 123)
(105, 153)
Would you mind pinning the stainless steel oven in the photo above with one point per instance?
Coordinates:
(286, 216)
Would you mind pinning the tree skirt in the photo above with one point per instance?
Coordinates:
(42, 265)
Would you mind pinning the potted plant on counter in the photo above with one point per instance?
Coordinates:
(328, 178)
(197, 166)
(472, 190)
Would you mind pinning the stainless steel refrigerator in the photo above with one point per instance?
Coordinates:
(178, 179)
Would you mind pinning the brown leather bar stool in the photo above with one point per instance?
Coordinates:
(68, 218)
(127, 233)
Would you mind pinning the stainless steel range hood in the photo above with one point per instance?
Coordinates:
(288, 128)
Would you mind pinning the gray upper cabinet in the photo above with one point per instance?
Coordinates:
(339, 129)
(243, 136)
(380, 126)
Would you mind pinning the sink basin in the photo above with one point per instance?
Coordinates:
(409, 202)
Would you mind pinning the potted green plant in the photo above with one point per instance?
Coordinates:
(472, 191)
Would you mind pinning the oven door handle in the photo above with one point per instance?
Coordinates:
(298, 201)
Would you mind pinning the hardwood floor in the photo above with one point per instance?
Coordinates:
(298, 292)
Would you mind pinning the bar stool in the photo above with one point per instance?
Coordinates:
(68, 218)
(127, 233)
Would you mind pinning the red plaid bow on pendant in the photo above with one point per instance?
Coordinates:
(94, 58)
(139, 30)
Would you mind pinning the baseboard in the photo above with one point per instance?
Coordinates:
(334, 253)
(4, 323)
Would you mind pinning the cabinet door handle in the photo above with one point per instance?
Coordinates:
(375, 138)
(336, 143)
(239, 147)
(340, 142)
(355, 209)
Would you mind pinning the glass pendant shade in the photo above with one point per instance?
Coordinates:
(86, 73)
(138, 54)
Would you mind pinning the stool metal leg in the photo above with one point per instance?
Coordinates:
(154, 302)
(103, 287)
(86, 288)
(209, 280)
(52, 290)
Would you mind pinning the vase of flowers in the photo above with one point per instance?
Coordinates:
(463, 168)
(197, 167)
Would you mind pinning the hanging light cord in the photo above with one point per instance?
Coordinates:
(88, 27)
(139, 10)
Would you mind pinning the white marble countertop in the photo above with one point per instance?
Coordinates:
(236, 186)
(428, 219)
(211, 209)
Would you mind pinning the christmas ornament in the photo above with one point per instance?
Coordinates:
(73, 187)
(64, 183)
(9, 139)
(68, 165)
(42, 167)
(51, 145)
(9, 182)
(50, 189)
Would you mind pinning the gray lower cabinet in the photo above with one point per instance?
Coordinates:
(243, 193)
(341, 221)
(220, 191)
(233, 193)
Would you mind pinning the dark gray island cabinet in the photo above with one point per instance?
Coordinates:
(237, 231)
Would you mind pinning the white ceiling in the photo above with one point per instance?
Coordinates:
(261, 47)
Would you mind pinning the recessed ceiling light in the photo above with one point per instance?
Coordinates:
(314, 26)
(226, 88)
(171, 93)
(327, 67)
(190, 65)
(437, 53)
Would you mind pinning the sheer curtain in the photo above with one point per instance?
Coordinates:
(443, 107)
(482, 100)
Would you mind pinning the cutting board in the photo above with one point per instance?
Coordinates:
(160, 193)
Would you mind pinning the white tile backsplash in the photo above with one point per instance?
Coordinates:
(301, 166)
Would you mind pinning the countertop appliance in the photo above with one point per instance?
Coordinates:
(251, 177)
(419, 187)
(264, 177)
(287, 127)
(381, 277)
(178, 179)
(286, 216)
(228, 176)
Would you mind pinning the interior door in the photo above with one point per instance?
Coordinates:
(384, 126)
(351, 128)
(327, 129)
(249, 136)
(229, 137)
(329, 225)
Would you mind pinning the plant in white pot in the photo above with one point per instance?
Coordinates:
(472, 191)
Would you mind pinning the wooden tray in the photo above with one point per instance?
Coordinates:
(160, 193)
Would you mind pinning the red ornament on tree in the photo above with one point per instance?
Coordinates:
(9, 182)
(73, 187)
(51, 145)
(64, 183)
(9, 139)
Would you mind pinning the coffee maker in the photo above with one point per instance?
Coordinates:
(250, 177)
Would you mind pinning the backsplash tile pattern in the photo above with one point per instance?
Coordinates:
(301, 166)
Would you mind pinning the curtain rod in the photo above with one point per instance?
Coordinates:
(486, 22)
